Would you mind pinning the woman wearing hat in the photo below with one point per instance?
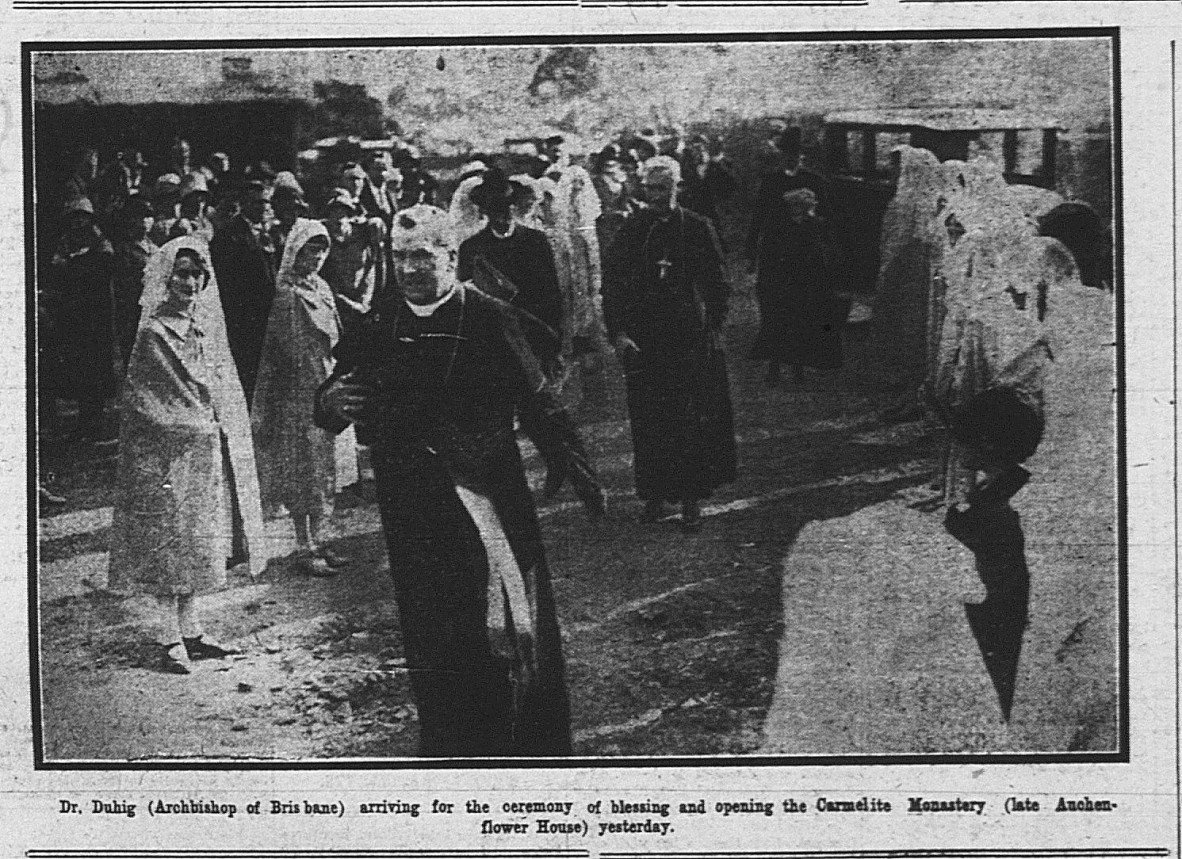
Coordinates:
(195, 212)
(353, 258)
(166, 204)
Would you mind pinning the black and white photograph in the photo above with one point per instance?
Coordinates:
(682, 399)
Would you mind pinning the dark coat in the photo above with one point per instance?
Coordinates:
(444, 393)
(245, 265)
(797, 318)
(525, 259)
(81, 358)
(678, 392)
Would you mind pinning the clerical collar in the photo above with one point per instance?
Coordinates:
(506, 234)
(425, 310)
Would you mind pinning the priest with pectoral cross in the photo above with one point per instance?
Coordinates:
(665, 299)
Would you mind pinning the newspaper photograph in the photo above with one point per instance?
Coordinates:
(679, 430)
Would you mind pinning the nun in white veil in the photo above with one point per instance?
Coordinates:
(301, 466)
(186, 457)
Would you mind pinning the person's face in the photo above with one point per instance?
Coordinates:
(660, 191)
(700, 149)
(339, 222)
(286, 213)
(143, 226)
(789, 161)
(614, 170)
(424, 272)
(255, 209)
(193, 206)
(186, 282)
(379, 170)
(78, 225)
(353, 184)
(311, 256)
(499, 214)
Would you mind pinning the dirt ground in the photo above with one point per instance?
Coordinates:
(746, 638)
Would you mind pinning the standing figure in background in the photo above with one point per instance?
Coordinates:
(797, 323)
(664, 303)
(300, 465)
(419, 187)
(514, 263)
(166, 206)
(354, 257)
(289, 205)
(186, 456)
(80, 280)
(616, 195)
(244, 259)
(770, 218)
(706, 179)
(434, 378)
(379, 199)
(133, 248)
(578, 205)
(195, 216)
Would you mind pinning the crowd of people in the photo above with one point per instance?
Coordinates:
(256, 348)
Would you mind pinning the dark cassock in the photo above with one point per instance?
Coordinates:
(522, 258)
(666, 290)
(478, 620)
(244, 261)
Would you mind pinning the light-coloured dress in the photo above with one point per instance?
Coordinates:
(300, 465)
(185, 448)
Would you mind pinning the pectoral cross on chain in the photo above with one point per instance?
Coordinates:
(664, 264)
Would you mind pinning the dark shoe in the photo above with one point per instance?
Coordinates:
(332, 558)
(316, 567)
(691, 517)
(654, 511)
(174, 659)
(236, 559)
(199, 648)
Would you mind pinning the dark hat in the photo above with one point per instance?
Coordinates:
(256, 190)
(788, 140)
(494, 187)
(286, 195)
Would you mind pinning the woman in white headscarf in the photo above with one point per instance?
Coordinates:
(300, 465)
(187, 492)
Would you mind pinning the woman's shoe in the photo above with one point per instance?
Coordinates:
(199, 648)
(174, 659)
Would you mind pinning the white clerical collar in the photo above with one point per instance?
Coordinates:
(506, 234)
(425, 310)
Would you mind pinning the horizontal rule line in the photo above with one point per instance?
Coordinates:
(950, 853)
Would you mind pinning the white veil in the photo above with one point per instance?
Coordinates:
(229, 403)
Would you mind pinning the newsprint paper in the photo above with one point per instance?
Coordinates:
(569, 429)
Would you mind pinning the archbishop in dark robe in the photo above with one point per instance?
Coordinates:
(434, 386)
(665, 300)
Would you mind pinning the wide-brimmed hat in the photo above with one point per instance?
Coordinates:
(194, 183)
(286, 195)
(494, 188)
(167, 187)
(342, 198)
(78, 205)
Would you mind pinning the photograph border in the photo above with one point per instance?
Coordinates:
(1120, 755)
